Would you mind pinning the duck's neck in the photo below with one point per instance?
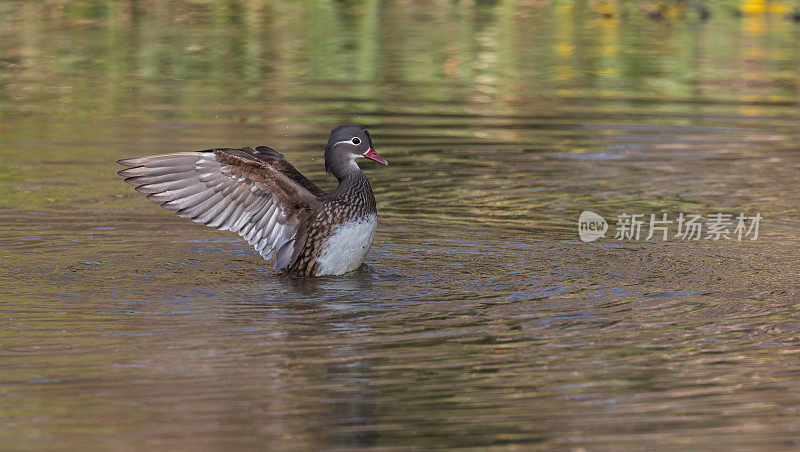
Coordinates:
(345, 169)
(352, 181)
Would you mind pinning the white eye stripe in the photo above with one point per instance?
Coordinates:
(350, 142)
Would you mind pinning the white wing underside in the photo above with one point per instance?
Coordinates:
(200, 188)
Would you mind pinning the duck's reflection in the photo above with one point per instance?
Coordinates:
(302, 364)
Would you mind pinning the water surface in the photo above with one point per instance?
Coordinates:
(480, 318)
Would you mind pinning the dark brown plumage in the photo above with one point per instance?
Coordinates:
(258, 194)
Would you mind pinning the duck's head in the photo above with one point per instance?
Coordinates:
(346, 144)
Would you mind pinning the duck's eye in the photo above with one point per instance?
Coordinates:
(356, 141)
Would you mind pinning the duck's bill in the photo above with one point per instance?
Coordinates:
(372, 155)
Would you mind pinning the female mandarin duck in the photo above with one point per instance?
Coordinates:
(259, 195)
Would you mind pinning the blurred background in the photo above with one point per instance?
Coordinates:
(480, 319)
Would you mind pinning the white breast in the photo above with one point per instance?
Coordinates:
(346, 248)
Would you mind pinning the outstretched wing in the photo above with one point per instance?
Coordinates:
(253, 192)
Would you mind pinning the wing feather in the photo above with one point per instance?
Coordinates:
(255, 193)
(230, 208)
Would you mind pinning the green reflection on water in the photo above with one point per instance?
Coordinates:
(83, 59)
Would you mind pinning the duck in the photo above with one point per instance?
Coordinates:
(255, 192)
